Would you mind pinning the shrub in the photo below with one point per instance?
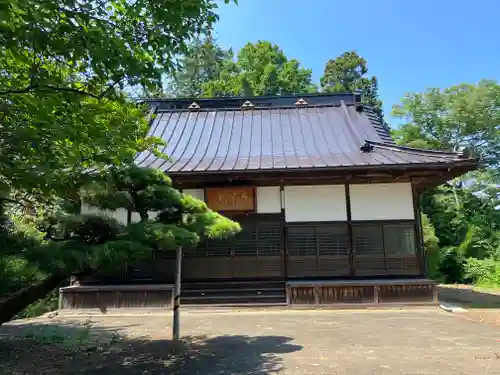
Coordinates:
(451, 265)
(42, 306)
(483, 272)
(431, 244)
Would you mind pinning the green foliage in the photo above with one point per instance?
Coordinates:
(465, 212)
(168, 218)
(42, 306)
(483, 272)
(65, 65)
(65, 117)
(347, 73)
(149, 192)
(99, 41)
(451, 265)
(431, 245)
(15, 273)
(77, 338)
(17, 238)
(203, 61)
(463, 116)
(467, 225)
(260, 69)
(97, 243)
(82, 244)
(464, 219)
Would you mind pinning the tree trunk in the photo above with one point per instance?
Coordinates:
(16, 302)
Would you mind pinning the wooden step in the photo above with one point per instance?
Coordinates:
(227, 285)
(231, 300)
(233, 292)
(223, 307)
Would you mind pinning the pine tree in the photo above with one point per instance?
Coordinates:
(203, 61)
(347, 73)
(85, 244)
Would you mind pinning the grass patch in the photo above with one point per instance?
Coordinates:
(70, 338)
(34, 349)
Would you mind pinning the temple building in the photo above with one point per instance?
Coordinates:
(328, 205)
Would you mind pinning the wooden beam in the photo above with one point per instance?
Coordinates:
(283, 234)
(421, 176)
(352, 254)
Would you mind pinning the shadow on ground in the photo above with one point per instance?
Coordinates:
(56, 349)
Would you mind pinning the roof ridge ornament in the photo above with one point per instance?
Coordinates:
(247, 104)
(367, 147)
(301, 101)
(194, 105)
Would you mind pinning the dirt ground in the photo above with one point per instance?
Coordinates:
(381, 342)
(488, 316)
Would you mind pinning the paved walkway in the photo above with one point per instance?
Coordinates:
(395, 342)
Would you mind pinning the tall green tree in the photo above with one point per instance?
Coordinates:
(464, 212)
(203, 61)
(64, 65)
(260, 69)
(348, 73)
(462, 116)
(85, 244)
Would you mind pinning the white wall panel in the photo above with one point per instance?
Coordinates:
(268, 199)
(391, 201)
(120, 215)
(315, 203)
(152, 215)
(197, 193)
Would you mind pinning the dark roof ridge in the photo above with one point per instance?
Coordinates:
(250, 98)
(257, 101)
(255, 108)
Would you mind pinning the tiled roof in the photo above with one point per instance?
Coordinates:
(269, 137)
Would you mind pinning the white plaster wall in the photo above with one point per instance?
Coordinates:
(268, 199)
(197, 193)
(315, 203)
(152, 215)
(392, 201)
(120, 215)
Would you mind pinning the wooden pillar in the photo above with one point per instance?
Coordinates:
(376, 294)
(283, 234)
(419, 234)
(352, 250)
(382, 230)
(177, 295)
(59, 299)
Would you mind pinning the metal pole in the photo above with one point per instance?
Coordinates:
(177, 294)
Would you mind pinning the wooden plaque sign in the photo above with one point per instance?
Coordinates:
(231, 199)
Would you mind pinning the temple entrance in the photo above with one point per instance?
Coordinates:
(256, 252)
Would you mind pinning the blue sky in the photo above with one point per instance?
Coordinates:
(409, 45)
